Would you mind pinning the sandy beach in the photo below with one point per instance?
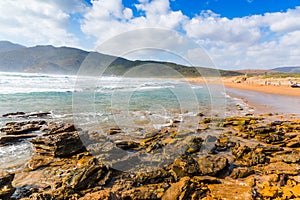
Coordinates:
(278, 86)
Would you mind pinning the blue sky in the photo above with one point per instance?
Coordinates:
(258, 34)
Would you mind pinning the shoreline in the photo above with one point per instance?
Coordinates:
(253, 85)
(264, 98)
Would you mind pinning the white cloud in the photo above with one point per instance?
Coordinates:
(38, 22)
(107, 19)
(258, 41)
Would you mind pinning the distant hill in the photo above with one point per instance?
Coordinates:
(65, 60)
(9, 46)
(295, 70)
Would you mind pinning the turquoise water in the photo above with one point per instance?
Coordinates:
(97, 104)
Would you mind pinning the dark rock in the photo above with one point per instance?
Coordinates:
(15, 114)
(114, 131)
(55, 128)
(93, 174)
(6, 188)
(184, 166)
(8, 139)
(58, 145)
(212, 165)
(17, 128)
(128, 145)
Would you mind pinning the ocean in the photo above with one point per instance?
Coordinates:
(95, 104)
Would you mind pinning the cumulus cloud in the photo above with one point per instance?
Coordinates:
(38, 22)
(257, 41)
(107, 19)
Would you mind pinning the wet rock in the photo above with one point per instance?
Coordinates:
(18, 128)
(58, 145)
(55, 128)
(212, 165)
(9, 139)
(15, 114)
(128, 145)
(26, 115)
(6, 188)
(93, 174)
(184, 166)
(113, 131)
(194, 145)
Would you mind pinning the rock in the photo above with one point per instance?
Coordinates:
(184, 166)
(26, 115)
(6, 188)
(194, 145)
(296, 190)
(113, 131)
(246, 156)
(143, 192)
(21, 128)
(152, 177)
(58, 145)
(15, 114)
(105, 194)
(93, 174)
(212, 165)
(286, 193)
(39, 161)
(230, 191)
(177, 190)
(9, 139)
(241, 172)
(55, 128)
(287, 157)
(128, 145)
(280, 168)
(269, 191)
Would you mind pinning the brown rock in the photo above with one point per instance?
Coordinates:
(281, 168)
(8, 139)
(100, 195)
(212, 165)
(58, 145)
(177, 190)
(230, 191)
(296, 190)
(269, 191)
(241, 172)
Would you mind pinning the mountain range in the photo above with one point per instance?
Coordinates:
(48, 59)
(65, 60)
(293, 70)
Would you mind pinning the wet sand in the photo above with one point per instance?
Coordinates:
(264, 98)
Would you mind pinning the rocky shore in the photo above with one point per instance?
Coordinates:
(249, 157)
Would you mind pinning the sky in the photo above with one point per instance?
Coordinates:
(235, 34)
